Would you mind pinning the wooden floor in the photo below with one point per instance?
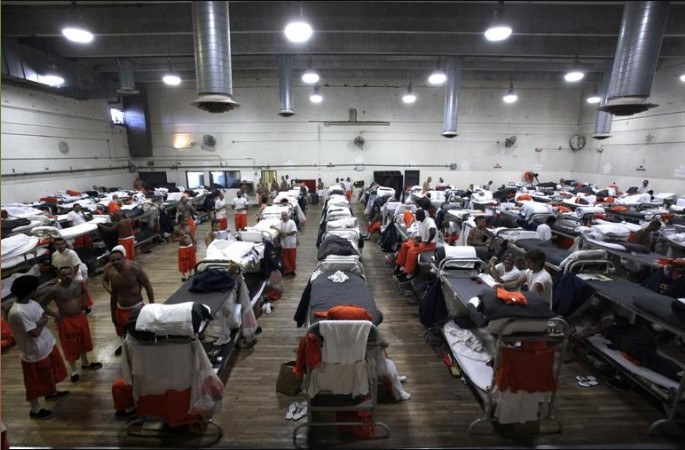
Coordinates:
(438, 414)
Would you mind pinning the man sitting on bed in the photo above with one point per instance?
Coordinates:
(535, 276)
(544, 230)
(407, 258)
(645, 236)
(478, 239)
(505, 271)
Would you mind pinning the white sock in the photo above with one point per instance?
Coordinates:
(35, 406)
(405, 395)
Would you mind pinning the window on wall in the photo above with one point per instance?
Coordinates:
(218, 179)
(118, 116)
(232, 179)
(195, 179)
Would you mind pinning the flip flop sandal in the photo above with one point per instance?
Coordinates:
(292, 409)
(301, 412)
(584, 384)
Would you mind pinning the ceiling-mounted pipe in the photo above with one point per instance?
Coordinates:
(603, 119)
(449, 128)
(212, 39)
(127, 80)
(637, 54)
(285, 85)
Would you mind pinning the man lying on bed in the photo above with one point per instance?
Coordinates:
(636, 343)
(535, 276)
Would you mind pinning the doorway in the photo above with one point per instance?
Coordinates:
(412, 178)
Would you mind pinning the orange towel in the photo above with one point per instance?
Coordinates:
(511, 297)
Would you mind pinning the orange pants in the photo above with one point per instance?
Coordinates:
(74, 335)
(121, 316)
(240, 221)
(408, 256)
(289, 257)
(122, 395)
(348, 194)
(373, 227)
(83, 241)
(130, 247)
(186, 259)
(41, 377)
(223, 223)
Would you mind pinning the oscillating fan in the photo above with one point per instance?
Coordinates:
(510, 141)
(359, 142)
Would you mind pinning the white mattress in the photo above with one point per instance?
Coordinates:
(264, 225)
(600, 343)
(231, 250)
(84, 228)
(477, 371)
(18, 245)
(33, 224)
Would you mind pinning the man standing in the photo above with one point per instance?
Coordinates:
(77, 217)
(186, 213)
(284, 184)
(41, 362)
(72, 323)
(66, 257)
(426, 240)
(124, 228)
(124, 281)
(240, 207)
(427, 185)
(220, 209)
(644, 188)
(348, 188)
(287, 231)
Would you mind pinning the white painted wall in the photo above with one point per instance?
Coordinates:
(653, 140)
(545, 116)
(33, 124)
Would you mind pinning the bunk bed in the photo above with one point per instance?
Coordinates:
(495, 344)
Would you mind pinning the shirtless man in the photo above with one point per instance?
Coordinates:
(124, 228)
(124, 281)
(186, 212)
(72, 324)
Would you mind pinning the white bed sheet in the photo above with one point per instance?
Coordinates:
(231, 250)
(18, 245)
(477, 371)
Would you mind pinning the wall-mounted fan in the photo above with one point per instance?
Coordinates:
(63, 147)
(359, 142)
(509, 142)
(208, 142)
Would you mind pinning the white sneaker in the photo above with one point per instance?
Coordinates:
(402, 378)
(405, 395)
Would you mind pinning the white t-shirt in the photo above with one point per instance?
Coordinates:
(76, 218)
(240, 204)
(219, 207)
(67, 259)
(506, 277)
(24, 318)
(424, 230)
(544, 279)
(288, 227)
(544, 232)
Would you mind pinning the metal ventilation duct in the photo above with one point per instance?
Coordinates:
(212, 40)
(127, 81)
(449, 127)
(603, 119)
(637, 53)
(285, 75)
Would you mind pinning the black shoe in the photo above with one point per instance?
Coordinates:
(41, 415)
(184, 279)
(56, 395)
(92, 366)
(88, 311)
(75, 378)
(122, 414)
(117, 352)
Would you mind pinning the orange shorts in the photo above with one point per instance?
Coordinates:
(130, 247)
(121, 316)
(74, 335)
(186, 259)
(41, 377)
(240, 221)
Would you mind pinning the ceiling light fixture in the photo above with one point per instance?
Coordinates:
(437, 78)
(170, 78)
(298, 32)
(510, 96)
(594, 98)
(51, 79)
(682, 78)
(409, 96)
(77, 35)
(574, 76)
(316, 97)
(310, 77)
(499, 29)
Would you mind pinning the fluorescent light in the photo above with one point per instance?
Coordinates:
(78, 35)
(594, 99)
(315, 98)
(573, 76)
(510, 97)
(310, 77)
(51, 80)
(682, 78)
(498, 33)
(171, 80)
(437, 78)
(409, 98)
(298, 32)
